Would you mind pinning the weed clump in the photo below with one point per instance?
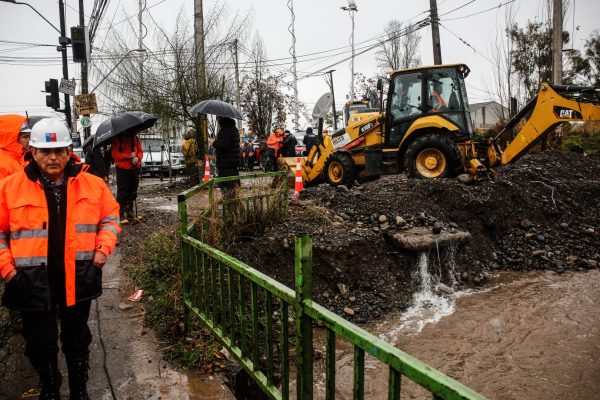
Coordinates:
(155, 267)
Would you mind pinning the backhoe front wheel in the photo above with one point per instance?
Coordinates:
(432, 156)
(339, 169)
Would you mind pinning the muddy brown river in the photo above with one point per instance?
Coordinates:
(525, 336)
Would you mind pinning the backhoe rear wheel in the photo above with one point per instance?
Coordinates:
(339, 169)
(432, 156)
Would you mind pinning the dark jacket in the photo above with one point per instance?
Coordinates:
(289, 146)
(99, 163)
(227, 146)
(310, 139)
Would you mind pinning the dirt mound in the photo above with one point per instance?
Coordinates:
(542, 212)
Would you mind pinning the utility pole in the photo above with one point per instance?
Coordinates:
(84, 72)
(64, 40)
(141, 46)
(237, 81)
(202, 129)
(435, 33)
(294, 73)
(330, 83)
(351, 10)
(557, 43)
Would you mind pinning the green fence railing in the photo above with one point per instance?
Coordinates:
(259, 320)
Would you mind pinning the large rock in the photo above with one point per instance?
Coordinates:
(421, 238)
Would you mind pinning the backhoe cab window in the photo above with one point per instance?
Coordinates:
(445, 88)
(444, 94)
(405, 104)
(406, 97)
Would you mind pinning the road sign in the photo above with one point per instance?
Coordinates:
(86, 122)
(86, 104)
(67, 87)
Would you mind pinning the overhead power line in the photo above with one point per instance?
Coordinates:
(458, 8)
(480, 12)
(412, 28)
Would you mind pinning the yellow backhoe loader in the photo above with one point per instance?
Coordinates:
(424, 128)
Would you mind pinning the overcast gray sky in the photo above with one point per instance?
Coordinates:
(320, 26)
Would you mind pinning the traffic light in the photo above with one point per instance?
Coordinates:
(52, 100)
(80, 44)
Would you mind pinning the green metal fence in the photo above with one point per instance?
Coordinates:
(259, 320)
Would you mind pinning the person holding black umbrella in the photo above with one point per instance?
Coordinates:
(126, 150)
(227, 149)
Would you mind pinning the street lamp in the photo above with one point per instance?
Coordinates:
(36, 11)
(116, 65)
(63, 40)
(351, 10)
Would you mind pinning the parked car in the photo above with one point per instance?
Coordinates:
(177, 159)
(300, 147)
(155, 160)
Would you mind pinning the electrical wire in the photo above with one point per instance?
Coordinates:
(104, 365)
(480, 12)
(412, 28)
(471, 46)
(457, 8)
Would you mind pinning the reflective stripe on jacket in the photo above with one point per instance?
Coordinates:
(92, 223)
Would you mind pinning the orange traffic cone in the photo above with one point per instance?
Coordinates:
(299, 184)
(206, 170)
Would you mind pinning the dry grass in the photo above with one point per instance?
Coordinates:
(245, 211)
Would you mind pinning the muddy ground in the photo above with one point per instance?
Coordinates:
(541, 213)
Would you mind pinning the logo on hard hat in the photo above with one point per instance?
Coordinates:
(50, 137)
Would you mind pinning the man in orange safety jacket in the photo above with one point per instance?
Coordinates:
(14, 140)
(275, 141)
(58, 224)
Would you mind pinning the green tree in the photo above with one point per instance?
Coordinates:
(262, 97)
(328, 120)
(586, 67)
(532, 54)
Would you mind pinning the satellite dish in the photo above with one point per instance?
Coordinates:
(323, 106)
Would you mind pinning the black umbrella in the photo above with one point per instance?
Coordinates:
(129, 122)
(88, 142)
(216, 107)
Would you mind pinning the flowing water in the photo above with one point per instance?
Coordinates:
(533, 335)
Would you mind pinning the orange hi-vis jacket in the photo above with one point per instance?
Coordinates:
(11, 151)
(121, 149)
(92, 223)
(275, 142)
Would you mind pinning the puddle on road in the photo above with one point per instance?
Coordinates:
(525, 336)
(207, 387)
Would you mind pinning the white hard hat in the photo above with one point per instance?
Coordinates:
(50, 133)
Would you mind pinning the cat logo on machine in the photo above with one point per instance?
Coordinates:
(366, 127)
(566, 113)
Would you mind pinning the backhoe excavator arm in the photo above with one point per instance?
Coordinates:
(546, 111)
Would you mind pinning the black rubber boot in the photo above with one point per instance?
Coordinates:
(78, 378)
(123, 214)
(129, 211)
(50, 379)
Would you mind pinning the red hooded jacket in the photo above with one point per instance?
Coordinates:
(121, 149)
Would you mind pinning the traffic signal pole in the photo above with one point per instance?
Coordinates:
(64, 40)
(84, 72)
